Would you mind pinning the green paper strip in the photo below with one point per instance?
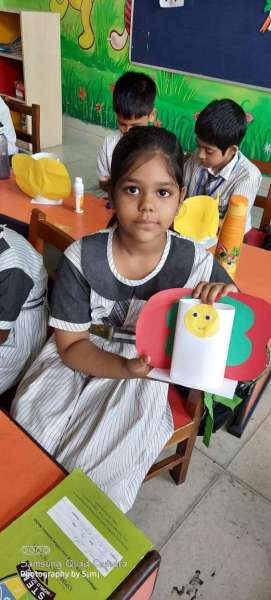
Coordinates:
(208, 430)
(209, 400)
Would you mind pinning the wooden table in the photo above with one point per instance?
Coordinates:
(254, 272)
(253, 277)
(16, 205)
(27, 473)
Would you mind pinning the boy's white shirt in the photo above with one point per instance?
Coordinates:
(104, 156)
(240, 173)
(9, 131)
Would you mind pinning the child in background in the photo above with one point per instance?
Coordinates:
(9, 131)
(133, 102)
(23, 314)
(87, 400)
(218, 168)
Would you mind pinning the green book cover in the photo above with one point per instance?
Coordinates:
(73, 543)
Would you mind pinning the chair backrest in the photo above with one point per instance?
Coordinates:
(40, 231)
(32, 111)
(264, 202)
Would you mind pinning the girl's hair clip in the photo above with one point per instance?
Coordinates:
(196, 115)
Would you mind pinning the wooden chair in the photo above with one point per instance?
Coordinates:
(186, 413)
(40, 231)
(255, 237)
(32, 111)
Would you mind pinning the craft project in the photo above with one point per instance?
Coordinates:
(201, 342)
(246, 356)
(198, 218)
(42, 177)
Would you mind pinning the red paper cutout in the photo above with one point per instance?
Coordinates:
(152, 332)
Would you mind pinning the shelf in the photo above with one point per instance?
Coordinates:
(12, 56)
(11, 97)
(36, 64)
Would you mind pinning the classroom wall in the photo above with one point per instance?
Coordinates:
(93, 59)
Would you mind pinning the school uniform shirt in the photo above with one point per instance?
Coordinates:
(239, 176)
(113, 429)
(104, 156)
(9, 131)
(23, 313)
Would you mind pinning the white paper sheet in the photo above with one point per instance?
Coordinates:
(171, 3)
(85, 536)
(226, 389)
(201, 343)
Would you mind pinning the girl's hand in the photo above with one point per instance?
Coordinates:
(138, 367)
(210, 292)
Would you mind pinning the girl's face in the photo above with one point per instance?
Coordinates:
(147, 199)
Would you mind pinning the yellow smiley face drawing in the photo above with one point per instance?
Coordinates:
(202, 320)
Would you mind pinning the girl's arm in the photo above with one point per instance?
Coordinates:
(80, 354)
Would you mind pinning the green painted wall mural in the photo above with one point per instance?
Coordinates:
(95, 41)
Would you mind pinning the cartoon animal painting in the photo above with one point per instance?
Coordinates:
(86, 38)
(267, 23)
(116, 39)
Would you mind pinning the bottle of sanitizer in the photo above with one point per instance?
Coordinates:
(78, 188)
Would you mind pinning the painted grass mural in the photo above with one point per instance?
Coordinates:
(94, 41)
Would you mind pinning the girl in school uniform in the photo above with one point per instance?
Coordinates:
(23, 313)
(85, 399)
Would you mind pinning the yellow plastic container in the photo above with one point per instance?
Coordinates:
(231, 234)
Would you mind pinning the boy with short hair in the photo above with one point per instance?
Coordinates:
(133, 102)
(218, 168)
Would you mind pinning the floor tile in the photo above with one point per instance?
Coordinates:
(223, 549)
(224, 446)
(161, 505)
(86, 143)
(252, 464)
(68, 152)
(69, 123)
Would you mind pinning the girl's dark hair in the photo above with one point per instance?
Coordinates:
(146, 141)
(222, 124)
(134, 95)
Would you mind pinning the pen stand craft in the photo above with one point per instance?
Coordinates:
(172, 330)
(201, 344)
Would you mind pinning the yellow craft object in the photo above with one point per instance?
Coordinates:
(198, 218)
(44, 177)
(9, 27)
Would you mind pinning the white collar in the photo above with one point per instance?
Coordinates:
(227, 170)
